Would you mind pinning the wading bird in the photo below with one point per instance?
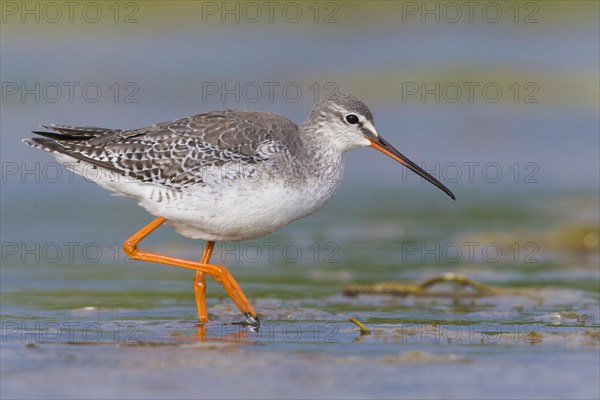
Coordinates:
(224, 175)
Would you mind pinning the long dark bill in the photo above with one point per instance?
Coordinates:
(389, 150)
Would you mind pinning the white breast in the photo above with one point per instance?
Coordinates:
(241, 211)
(225, 209)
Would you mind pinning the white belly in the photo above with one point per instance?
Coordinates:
(228, 211)
(240, 212)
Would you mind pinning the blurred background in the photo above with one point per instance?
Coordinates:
(498, 100)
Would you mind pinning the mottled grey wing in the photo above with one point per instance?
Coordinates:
(177, 153)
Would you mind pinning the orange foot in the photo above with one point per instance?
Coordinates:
(218, 272)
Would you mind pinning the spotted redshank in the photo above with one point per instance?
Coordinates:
(223, 175)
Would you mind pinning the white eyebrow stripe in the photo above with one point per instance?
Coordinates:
(368, 125)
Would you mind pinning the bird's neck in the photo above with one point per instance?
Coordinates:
(317, 143)
(321, 155)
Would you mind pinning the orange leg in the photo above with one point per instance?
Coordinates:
(200, 284)
(217, 272)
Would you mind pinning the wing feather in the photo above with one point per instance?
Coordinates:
(175, 153)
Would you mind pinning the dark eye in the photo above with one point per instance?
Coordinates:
(352, 119)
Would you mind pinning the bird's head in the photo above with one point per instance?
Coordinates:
(347, 123)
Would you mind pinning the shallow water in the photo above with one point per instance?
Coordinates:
(79, 320)
(74, 318)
